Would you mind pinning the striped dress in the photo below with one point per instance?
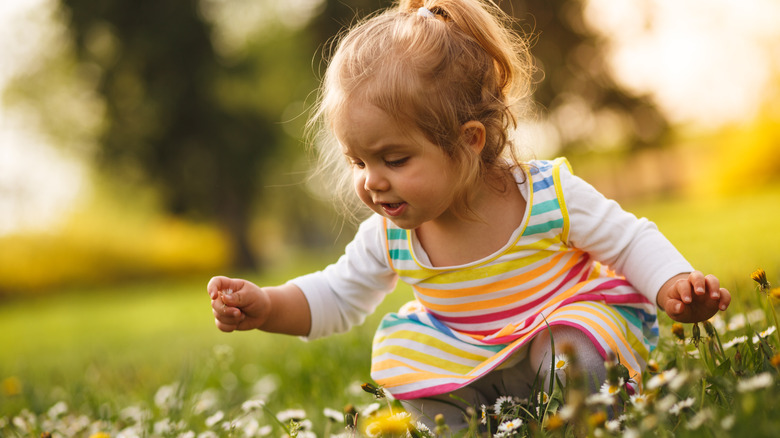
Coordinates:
(469, 320)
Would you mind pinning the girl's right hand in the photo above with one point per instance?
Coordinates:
(245, 308)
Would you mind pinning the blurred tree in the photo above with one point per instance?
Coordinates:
(578, 90)
(201, 119)
(181, 117)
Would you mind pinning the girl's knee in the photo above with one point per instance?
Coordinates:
(574, 342)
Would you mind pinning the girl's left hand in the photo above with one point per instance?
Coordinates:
(693, 297)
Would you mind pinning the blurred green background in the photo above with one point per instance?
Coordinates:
(146, 146)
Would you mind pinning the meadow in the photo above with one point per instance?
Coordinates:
(144, 359)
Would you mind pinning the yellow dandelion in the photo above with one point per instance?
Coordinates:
(597, 419)
(100, 435)
(554, 422)
(759, 276)
(387, 423)
(12, 386)
(678, 330)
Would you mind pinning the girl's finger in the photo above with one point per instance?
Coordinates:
(698, 283)
(713, 285)
(684, 291)
(725, 299)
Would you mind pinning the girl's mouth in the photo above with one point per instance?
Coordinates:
(394, 209)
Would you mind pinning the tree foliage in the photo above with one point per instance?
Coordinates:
(205, 128)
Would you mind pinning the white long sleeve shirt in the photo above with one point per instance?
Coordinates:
(344, 293)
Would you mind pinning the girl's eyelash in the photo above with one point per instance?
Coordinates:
(395, 163)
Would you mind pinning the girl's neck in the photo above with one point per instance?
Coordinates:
(452, 240)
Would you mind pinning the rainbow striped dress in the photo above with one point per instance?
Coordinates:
(468, 320)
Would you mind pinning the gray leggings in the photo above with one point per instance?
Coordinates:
(515, 381)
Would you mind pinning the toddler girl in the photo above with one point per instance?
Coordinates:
(501, 254)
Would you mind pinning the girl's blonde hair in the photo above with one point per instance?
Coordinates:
(433, 74)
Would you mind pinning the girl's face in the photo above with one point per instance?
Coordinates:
(397, 172)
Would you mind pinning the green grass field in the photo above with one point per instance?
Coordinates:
(106, 349)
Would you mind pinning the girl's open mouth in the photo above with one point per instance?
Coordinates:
(394, 209)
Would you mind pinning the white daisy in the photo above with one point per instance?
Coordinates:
(639, 401)
(612, 389)
(612, 426)
(252, 405)
(291, 414)
(678, 407)
(370, 409)
(600, 398)
(735, 341)
(561, 361)
(510, 425)
(333, 415)
(759, 381)
(764, 334)
(503, 402)
(214, 419)
(662, 378)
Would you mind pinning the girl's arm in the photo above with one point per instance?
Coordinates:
(281, 309)
(636, 249)
(314, 305)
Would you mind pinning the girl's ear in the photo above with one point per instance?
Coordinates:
(473, 135)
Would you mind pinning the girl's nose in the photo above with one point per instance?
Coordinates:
(375, 181)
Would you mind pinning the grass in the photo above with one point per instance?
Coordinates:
(106, 349)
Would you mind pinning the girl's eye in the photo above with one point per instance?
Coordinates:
(397, 163)
(359, 164)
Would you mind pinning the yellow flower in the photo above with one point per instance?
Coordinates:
(678, 330)
(387, 423)
(12, 386)
(100, 435)
(554, 422)
(597, 419)
(759, 276)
